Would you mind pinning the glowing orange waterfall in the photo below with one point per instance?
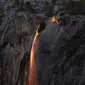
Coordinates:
(32, 68)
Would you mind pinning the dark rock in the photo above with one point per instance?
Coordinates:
(16, 36)
(60, 56)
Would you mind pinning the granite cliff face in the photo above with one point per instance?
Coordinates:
(61, 53)
(16, 35)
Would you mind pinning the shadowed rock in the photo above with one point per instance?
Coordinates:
(16, 36)
(60, 56)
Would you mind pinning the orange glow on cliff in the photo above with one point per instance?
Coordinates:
(54, 20)
(32, 68)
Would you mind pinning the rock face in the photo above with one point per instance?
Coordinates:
(61, 54)
(16, 35)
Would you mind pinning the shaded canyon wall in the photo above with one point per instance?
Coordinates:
(16, 35)
(60, 57)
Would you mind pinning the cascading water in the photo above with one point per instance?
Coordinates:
(32, 76)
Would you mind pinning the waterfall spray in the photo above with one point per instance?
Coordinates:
(32, 76)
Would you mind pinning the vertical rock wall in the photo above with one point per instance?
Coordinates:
(16, 34)
(60, 58)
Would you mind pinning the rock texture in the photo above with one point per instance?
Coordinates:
(16, 35)
(60, 57)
